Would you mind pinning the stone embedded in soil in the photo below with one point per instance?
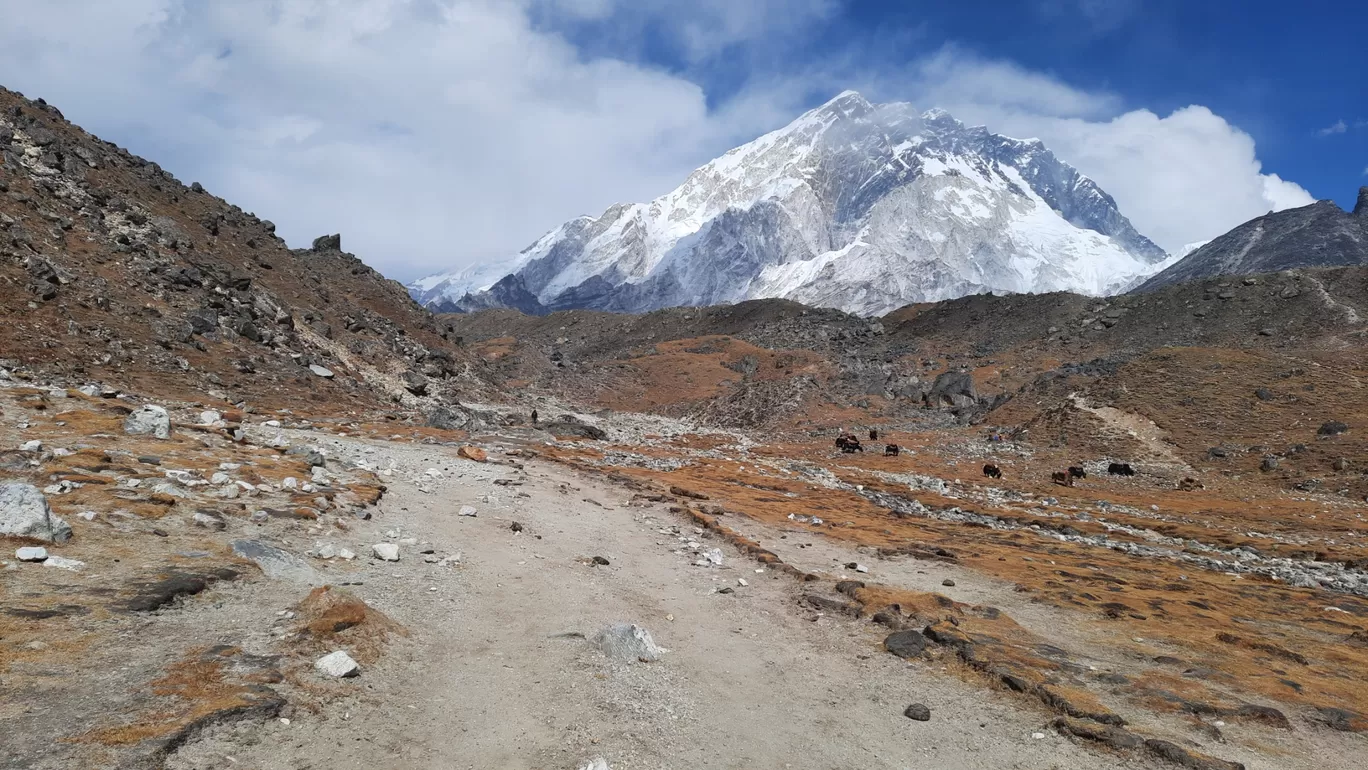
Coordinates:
(600, 561)
(628, 642)
(338, 665)
(948, 583)
(385, 551)
(597, 763)
(918, 711)
(321, 371)
(61, 562)
(148, 420)
(905, 644)
(24, 512)
(467, 510)
(31, 553)
(274, 562)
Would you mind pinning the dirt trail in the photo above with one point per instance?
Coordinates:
(492, 678)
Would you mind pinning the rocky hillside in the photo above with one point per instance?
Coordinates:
(857, 206)
(112, 271)
(1319, 235)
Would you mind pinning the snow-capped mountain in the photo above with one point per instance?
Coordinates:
(857, 206)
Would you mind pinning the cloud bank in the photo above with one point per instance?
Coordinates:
(438, 133)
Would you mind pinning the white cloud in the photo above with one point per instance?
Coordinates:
(436, 133)
(1100, 15)
(1338, 127)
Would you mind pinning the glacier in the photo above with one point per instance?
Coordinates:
(857, 206)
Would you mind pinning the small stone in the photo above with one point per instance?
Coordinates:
(87, 515)
(31, 446)
(220, 478)
(726, 590)
(597, 763)
(467, 510)
(321, 371)
(337, 665)
(905, 644)
(62, 562)
(1038, 736)
(948, 583)
(861, 568)
(385, 551)
(327, 551)
(209, 417)
(918, 711)
(742, 582)
(346, 554)
(628, 642)
(209, 521)
(516, 526)
(599, 560)
(31, 553)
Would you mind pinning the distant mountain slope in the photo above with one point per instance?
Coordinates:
(113, 271)
(1319, 235)
(855, 206)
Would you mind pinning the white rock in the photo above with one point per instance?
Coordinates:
(230, 492)
(148, 420)
(209, 521)
(597, 763)
(90, 390)
(327, 551)
(31, 446)
(467, 510)
(628, 642)
(210, 417)
(220, 478)
(87, 515)
(64, 563)
(710, 558)
(24, 511)
(321, 371)
(345, 553)
(290, 482)
(229, 466)
(272, 423)
(31, 553)
(861, 568)
(742, 582)
(386, 551)
(337, 664)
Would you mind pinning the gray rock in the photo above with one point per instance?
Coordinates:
(597, 763)
(321, 371)
(414, 383)
(310, 455)
(953, 389)
(24, 512)
(905, 644)
(148, 420)
(1332, 428)
(209, 521)
(628, 642)
(274, 562)
(62, 562)
(385, 551)
(328, 242)
(918, 711)
(337, 665)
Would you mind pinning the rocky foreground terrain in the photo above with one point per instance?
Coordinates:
(259, 510)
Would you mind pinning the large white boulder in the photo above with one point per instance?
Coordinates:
(24, 512)
(148, 420)
(385, 551)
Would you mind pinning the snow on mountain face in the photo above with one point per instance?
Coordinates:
(857, 206)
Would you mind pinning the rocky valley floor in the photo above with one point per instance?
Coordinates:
(804, 601)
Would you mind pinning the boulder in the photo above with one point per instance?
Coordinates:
(321, 371)
(905, 644)
(1332, 428)
(953, 389)
(310, 455)
(24, 512)
(385, 551)
(918, 712)
(628, 642)
(575, 429)
(148, 420)
(337, 665)
(473, 453)
(414, 383)
(328, 242)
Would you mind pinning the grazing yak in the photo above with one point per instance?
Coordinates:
(1062, 478)
(1077, 472)
(892, 450)
(1188, 484)
(873, 434)
(1120, 469)
(992, 471)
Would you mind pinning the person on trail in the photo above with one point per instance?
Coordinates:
(534, 416)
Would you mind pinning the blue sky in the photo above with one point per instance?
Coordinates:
(437, 133)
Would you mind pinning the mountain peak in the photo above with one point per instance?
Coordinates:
(1361, 207)
(864, 207)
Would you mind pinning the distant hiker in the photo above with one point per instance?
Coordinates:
(534, 416)
(992, 471)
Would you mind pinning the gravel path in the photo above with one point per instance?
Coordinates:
(497, 674)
